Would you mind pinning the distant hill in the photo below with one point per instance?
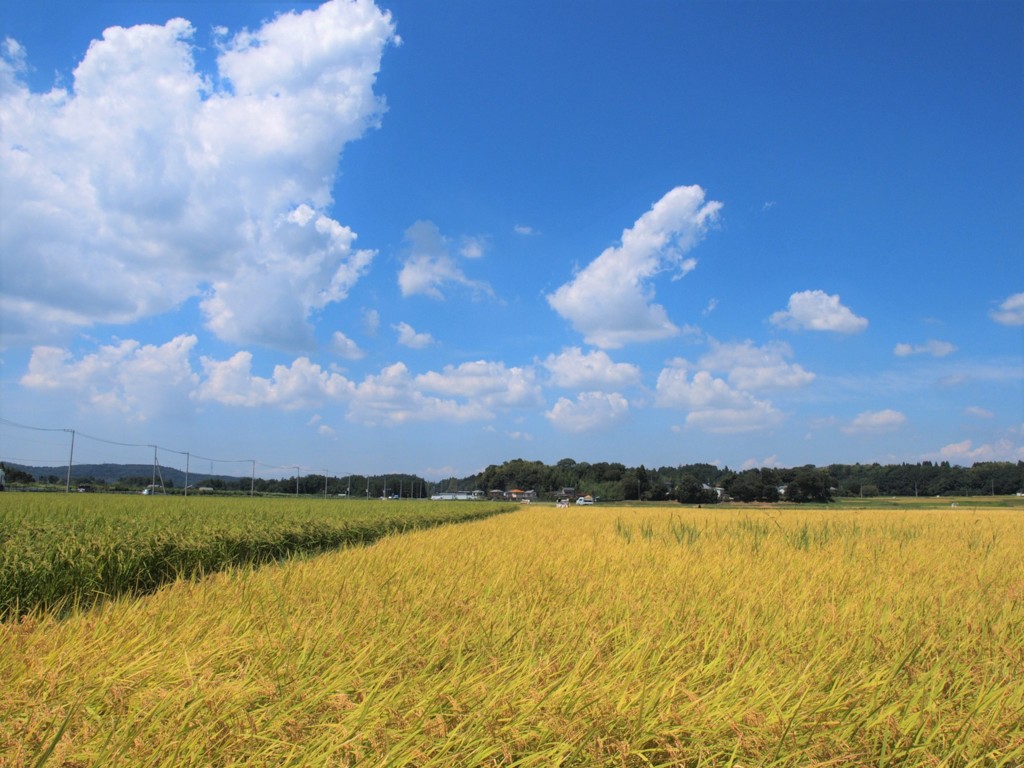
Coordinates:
(112, 473)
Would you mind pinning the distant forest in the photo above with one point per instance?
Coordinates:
(700, 483)
(688, 483)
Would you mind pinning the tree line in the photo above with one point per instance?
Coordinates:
(133, 478)
(707, 483)
(610, 481)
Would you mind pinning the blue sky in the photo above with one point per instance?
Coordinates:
(431, 237)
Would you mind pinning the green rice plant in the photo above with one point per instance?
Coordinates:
(683, 532)
(623, 529)
(647, 530)
(61, 552)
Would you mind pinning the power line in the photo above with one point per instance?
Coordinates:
(155, 447)
(37, 429)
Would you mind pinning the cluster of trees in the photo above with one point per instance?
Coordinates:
(699, 483)
(998, 478)
(372, 486)
(688, 483)
(405, 486)
(128, 479)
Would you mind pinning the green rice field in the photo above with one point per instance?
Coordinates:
(61, 551)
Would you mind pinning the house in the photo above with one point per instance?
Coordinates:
(717, 490)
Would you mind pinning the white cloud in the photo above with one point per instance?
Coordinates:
(931, 347)
(408, 337)
(429, 266)
(307, 264)
(473, 247)
(303, 384)
(686, 266)
(965, 453)
(712, 404)
(141, 380)
(768, 461)
(977, 411)
(572, 369)
(818, 311)
(344, 347)
(590, 411)
(522, 229)
(371, 321)
(1010, 311)
(145, 184)
(137, 380)
(611, 300)
(492, 384)
(475, 391)
(756, 368)
(710, 307)
(393, 397)
(875, 422)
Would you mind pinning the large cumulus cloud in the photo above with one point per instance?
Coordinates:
(148, 182)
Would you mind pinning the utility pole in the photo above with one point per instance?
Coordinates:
(71, 460)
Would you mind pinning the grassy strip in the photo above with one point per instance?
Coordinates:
(600, 637)
(58, 553)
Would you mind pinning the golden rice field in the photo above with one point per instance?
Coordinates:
(597, 636)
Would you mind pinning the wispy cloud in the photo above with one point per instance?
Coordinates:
(408, 337)
(473, 247)
(931, 347)
(371, 321)
(966, 452)
(1010, 311)
(344, 347)
(429, 267)
(875, 422)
